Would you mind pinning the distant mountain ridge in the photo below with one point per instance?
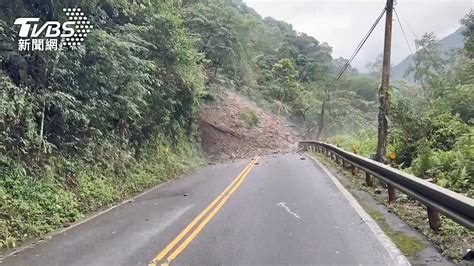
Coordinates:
(453, 41)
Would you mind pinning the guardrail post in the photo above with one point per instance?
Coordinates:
(434, 219)
(338, 160)
(392, 193)
(353, 170)
(368, 179)
(344, 164)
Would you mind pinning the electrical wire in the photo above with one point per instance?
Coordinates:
(428, 53)
(410, 28)
(346, 65)
(403, 31)
(356, 51)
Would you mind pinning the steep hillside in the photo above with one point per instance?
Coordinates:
(233, 127)
(453, 41)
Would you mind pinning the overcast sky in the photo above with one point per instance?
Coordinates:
(343, 23)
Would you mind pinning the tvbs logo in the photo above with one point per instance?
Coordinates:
(52, 34)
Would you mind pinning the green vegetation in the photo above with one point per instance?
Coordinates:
(408, 245)
(84, 127)
(249, 117)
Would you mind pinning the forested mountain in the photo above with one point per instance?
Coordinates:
(89, 124)
(454, 40)
(284, 70)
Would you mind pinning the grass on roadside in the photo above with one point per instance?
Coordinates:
(408, 245)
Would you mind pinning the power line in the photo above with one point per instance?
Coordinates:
(403, 31)
(428, 53)
(344, 68)
(410, 28)
(358, 48)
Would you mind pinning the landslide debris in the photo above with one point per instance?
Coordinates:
(234, 127)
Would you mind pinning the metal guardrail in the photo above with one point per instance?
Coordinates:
(437, 199)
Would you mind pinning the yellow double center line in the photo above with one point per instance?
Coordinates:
(218, 202)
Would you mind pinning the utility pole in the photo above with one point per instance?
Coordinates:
(383, 93)
(384, 97)
(323, 109)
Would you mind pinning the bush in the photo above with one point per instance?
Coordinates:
(363, 143)
(451, 169)
(249, 117)
(413, 130)
(94, 192)
(30, 207)
(444, 153)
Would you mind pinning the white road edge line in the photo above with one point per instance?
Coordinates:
(386, 242)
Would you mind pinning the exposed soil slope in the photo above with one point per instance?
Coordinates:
(227, 133)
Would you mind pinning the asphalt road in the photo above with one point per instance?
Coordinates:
(282, 211)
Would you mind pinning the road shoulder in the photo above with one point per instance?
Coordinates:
(411, 244)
